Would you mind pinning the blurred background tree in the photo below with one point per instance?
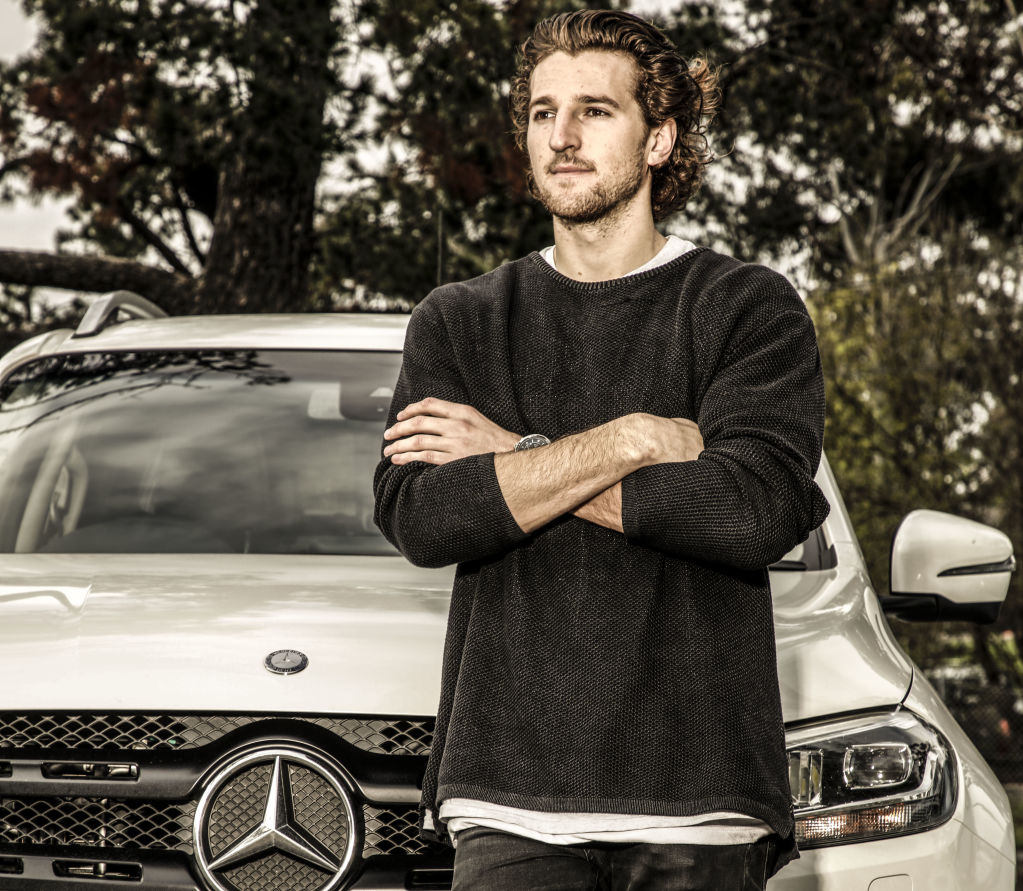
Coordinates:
(190, 137)
(882, 142)
(268, 154)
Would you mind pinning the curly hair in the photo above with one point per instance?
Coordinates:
(667, 87)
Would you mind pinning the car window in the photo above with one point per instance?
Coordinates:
(813, 554)
(231, 451)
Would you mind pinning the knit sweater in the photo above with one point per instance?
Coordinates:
(587, 670)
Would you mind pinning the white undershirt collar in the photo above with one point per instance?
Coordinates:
(673, 247)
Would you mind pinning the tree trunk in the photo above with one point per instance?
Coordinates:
(42, 269)
(262, 244)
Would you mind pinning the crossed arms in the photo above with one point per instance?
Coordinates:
(734, 486)
(579, 474)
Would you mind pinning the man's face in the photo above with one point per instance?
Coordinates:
(588, 143)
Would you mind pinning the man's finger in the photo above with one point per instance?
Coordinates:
(431, 405)
(417, 443)
(418, 424)
(429, 457)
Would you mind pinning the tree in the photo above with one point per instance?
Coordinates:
(450, 201)
(888, 148)
(191, 136)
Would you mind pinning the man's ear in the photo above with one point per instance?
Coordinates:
(660, 142)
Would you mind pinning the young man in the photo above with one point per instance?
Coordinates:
(613, 439)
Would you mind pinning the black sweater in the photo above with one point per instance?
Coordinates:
(587, 670)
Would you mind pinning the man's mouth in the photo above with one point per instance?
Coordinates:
(569, 167)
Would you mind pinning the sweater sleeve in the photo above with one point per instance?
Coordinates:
(448, 513)
(750, 497)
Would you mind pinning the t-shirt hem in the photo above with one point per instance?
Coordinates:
(651, 806)
(782, 824)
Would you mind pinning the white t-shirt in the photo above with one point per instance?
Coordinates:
(716, 828)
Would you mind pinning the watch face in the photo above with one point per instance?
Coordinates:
(531, 441)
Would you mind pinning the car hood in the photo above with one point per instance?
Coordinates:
(118, 632)
(836, 652)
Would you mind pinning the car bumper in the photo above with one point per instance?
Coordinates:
(948, 858)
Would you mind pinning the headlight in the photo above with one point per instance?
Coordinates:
(867, 777)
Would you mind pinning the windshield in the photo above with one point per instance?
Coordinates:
(266, 452)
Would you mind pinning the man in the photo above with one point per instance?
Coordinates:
(612, 439)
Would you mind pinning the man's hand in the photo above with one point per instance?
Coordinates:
(664, 440)
(436, 431)
(659, 440)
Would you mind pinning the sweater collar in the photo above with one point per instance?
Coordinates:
(615, 286)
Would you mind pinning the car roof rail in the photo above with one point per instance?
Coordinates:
(105, 310)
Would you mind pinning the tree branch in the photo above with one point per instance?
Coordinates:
(12, 164)
(848, 241)
(152, 239)
(1019, 33)
(95, 274)
(909, 223)
(182, 210)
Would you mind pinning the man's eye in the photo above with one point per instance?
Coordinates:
(542, 115)
(596, 112)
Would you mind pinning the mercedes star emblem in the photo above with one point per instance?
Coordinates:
(275, 804)
(286, 661)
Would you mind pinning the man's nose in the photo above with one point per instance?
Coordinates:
(565, 133)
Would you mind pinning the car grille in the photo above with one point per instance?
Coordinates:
(123, 792)
(96, 823)
(107, 823)
(392, 831)
(156, 732)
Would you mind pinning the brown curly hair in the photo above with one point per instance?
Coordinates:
(667, 87)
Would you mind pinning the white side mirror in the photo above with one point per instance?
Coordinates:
(949, 568)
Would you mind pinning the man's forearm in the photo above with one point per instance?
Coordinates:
(604, 509)
(580, 470)
(578, 474)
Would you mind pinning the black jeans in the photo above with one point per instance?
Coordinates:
(488, 860)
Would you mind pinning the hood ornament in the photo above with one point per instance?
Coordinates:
(286, 662)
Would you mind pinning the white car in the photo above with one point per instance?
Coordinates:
(219, 675)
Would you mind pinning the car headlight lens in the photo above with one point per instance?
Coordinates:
(869, 776)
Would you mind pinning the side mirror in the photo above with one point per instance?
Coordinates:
(945, 567)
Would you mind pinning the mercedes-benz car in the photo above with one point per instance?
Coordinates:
(220, 676)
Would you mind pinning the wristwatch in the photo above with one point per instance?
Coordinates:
(531, 441)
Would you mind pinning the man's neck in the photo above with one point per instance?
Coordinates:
(605, 249)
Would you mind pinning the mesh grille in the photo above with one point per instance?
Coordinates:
(239, 805)
(168, 827)
(400, 737)
(393, 831)
(273, 873)
(97, 823)
(144, 732)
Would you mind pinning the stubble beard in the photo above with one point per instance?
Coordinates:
(602, 201)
